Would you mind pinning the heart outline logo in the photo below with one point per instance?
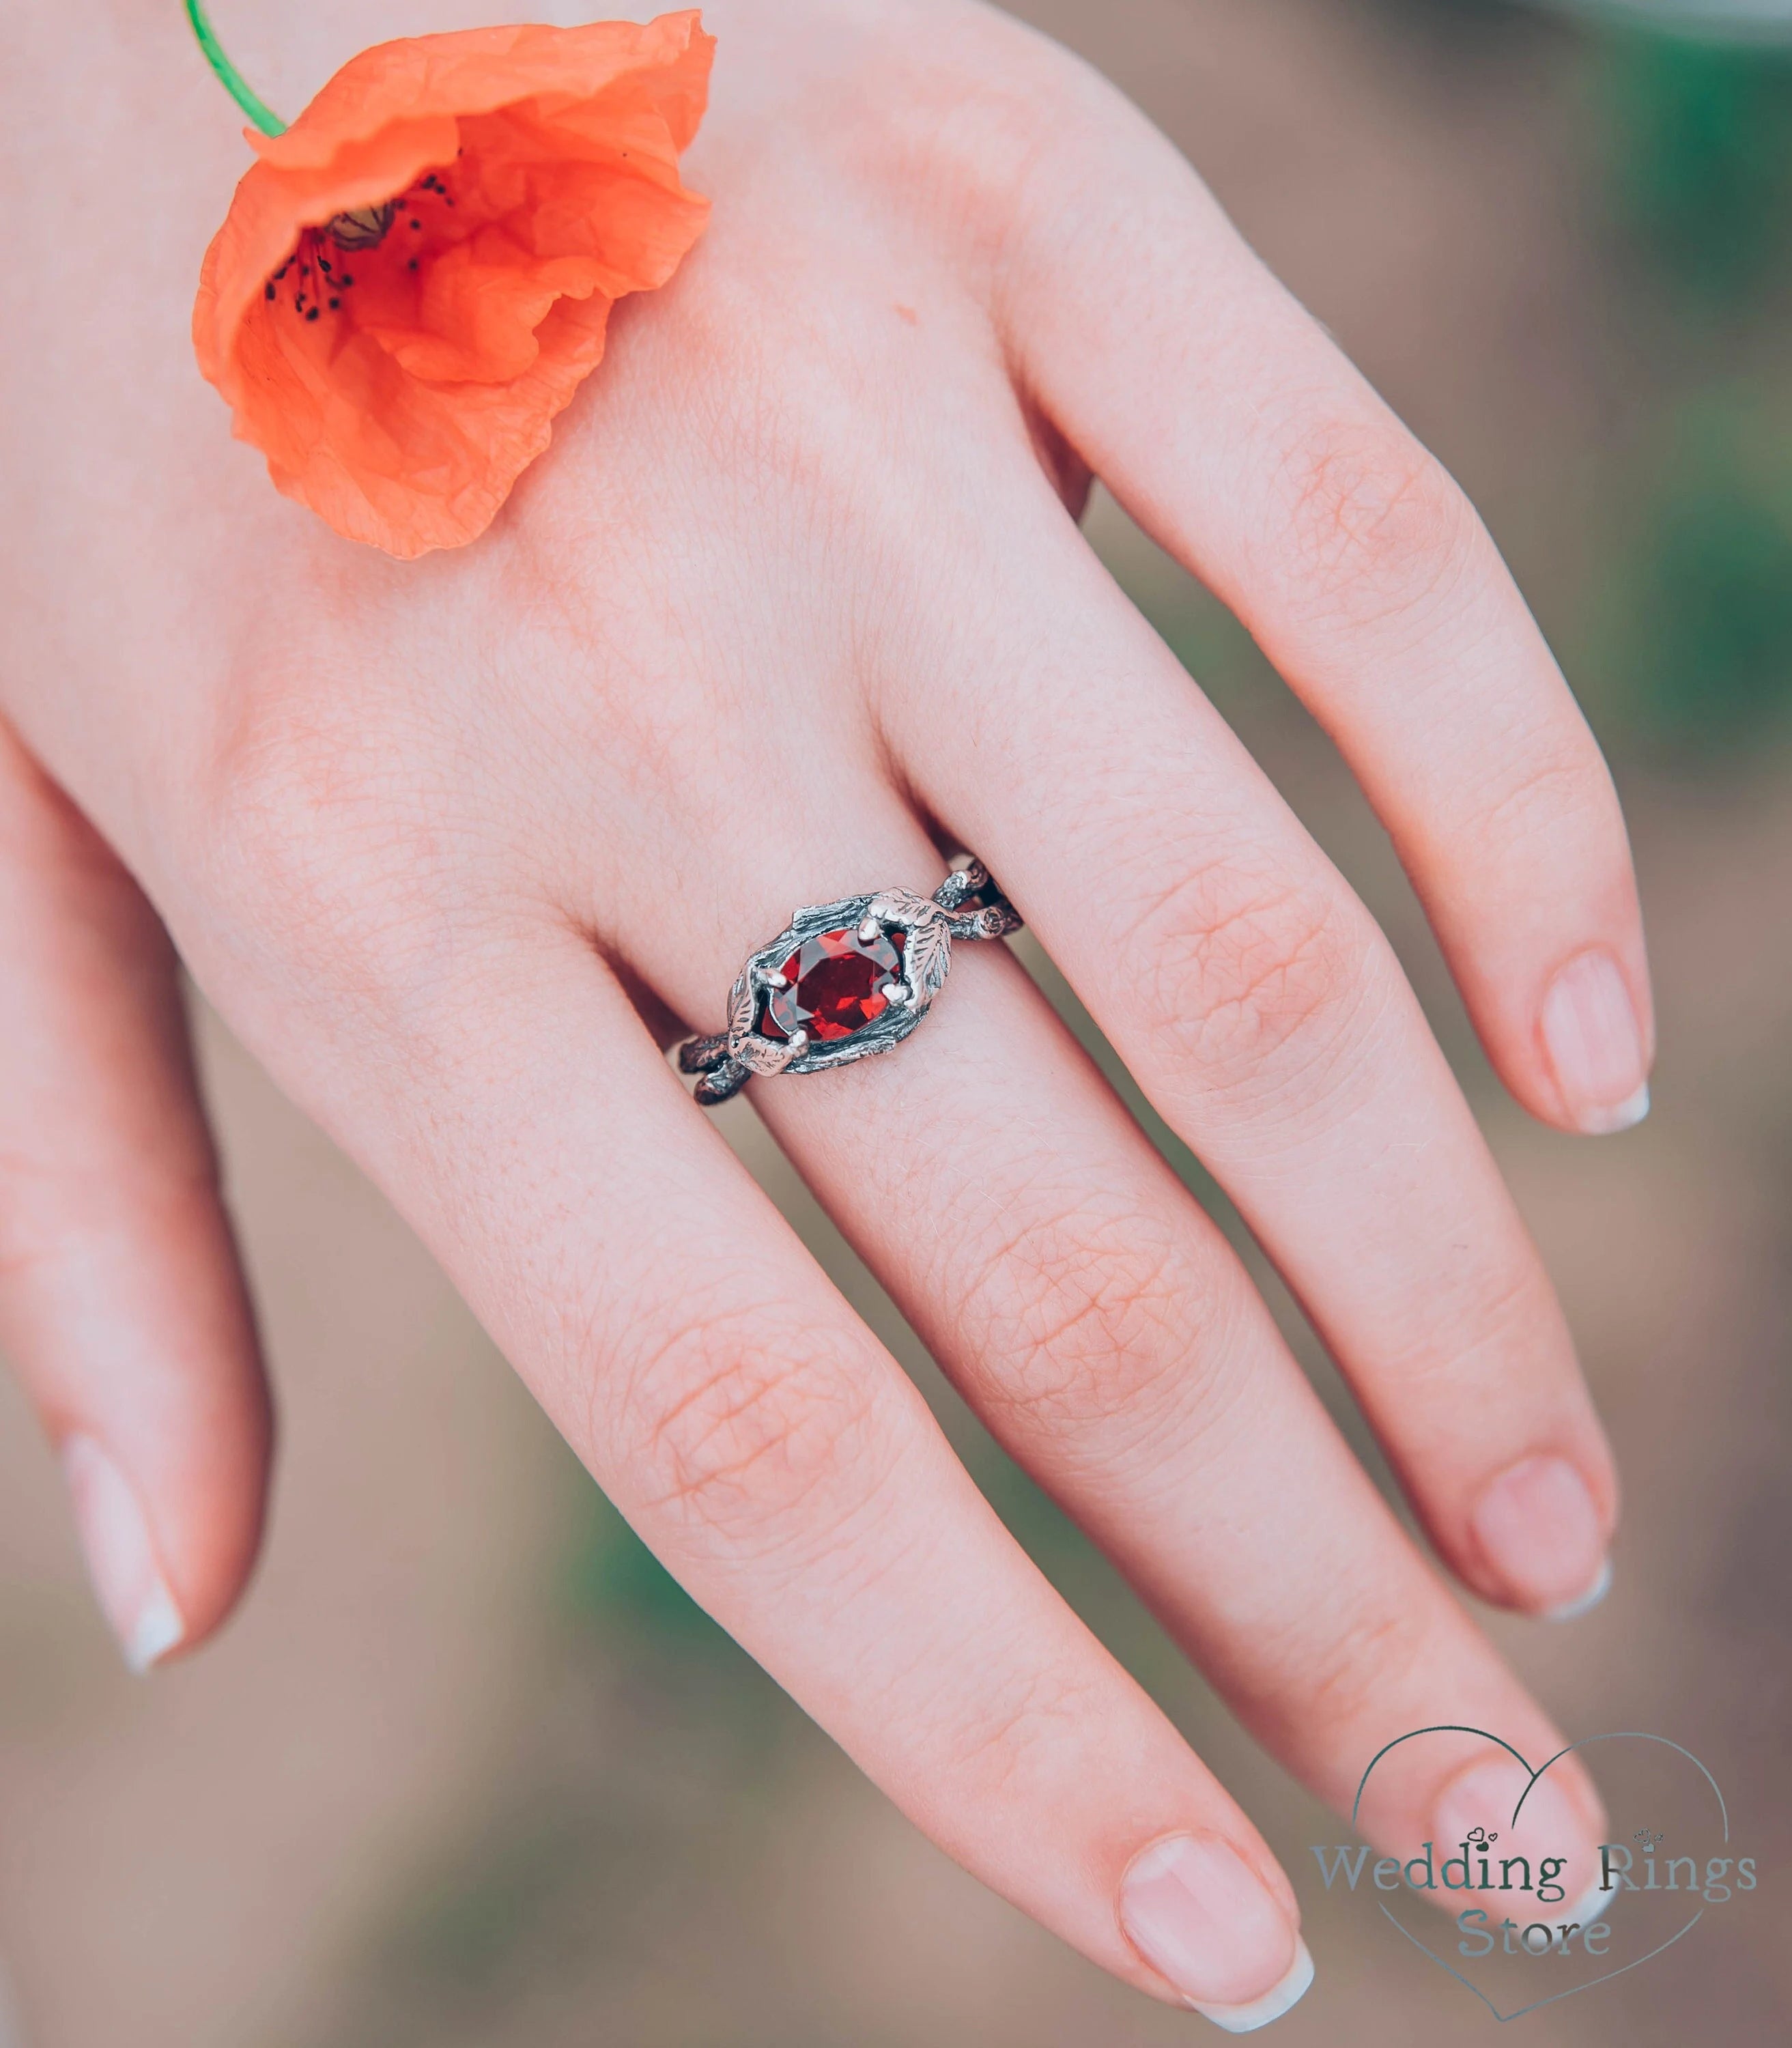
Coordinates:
(1586, 1742)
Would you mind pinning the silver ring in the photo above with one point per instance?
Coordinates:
(844, 981)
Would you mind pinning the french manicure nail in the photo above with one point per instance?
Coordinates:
(1550, 1825)
(1594, 1042)
(1278, 2000)
(121, 1556)
(1201, 1917)
(1573, 1610)
(1539, 1531)
(1593, 1904)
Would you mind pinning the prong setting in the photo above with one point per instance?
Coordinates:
(835, 1015)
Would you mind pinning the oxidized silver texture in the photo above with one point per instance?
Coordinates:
(727, 1059)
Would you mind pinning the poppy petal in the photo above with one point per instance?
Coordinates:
(399, 386)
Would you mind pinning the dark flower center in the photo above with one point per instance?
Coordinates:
(316, 266)
(361, 226)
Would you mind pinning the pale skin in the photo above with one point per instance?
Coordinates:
(797, 601)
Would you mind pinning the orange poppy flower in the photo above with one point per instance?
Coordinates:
(415, 277)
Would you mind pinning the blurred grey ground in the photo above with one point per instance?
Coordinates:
(468, 1770)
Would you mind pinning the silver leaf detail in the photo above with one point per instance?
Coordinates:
(740, 1014)
(902, 906)
(764, 1056)
(927, 955)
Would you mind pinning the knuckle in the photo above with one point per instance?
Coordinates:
(1087, 1317)
(314, 837)
(1371, 523)
(984, 121)
(1342, 1668)
(1551, 783)
(34, 1237)
(65, 1208)
(1486, 1316)
(1230, 970)
(737, 1433)
(1014, 1747)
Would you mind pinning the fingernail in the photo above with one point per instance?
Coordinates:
(1247, 2019)
(1594, 1904)
(1548, 1826)
(1541, 1535)
(1201, 1916)
(121, 1558)
(1595, 1043)
(1573, 1610)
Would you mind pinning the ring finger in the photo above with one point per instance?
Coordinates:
(1101, 1327)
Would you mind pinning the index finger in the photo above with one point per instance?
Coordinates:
(1236, 432)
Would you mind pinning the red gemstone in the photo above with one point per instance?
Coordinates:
(836, 985)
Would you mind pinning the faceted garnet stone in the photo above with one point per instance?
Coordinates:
(836, 985)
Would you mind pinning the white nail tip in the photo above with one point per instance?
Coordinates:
(158, 1629)
(1573, 1610)
(1622, 1116)
(1592, 1908)
(121, 1555)
(1247, 2019)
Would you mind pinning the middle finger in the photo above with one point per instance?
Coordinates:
(1264, 1013)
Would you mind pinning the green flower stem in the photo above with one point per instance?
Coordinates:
(235, 84)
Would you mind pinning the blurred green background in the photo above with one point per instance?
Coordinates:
(472, 1770)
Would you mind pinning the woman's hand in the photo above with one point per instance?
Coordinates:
(797, 599)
